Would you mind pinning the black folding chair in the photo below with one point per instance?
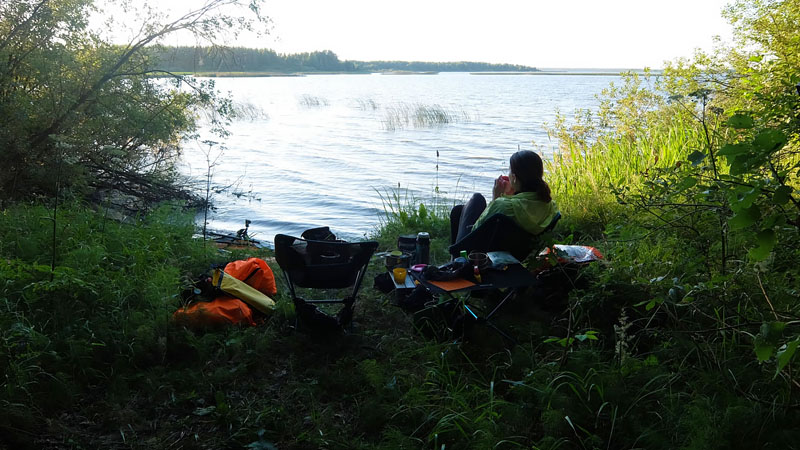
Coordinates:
(323, 264)
(500, 233)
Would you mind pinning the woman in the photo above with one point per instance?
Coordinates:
(524, 196)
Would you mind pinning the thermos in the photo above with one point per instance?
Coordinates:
(423, 248)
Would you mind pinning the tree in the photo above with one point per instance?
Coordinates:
(89, 112)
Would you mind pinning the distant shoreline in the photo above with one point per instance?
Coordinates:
(607, 74)
(221, 74)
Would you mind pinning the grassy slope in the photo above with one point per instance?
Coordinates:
(93, 355)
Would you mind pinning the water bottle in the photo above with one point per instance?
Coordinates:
(423, 248)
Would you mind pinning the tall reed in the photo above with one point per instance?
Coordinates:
(589, 165)
(418, 115)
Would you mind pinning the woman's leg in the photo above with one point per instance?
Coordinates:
(469, 214)
(455, 219)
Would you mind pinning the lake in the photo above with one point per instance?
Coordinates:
(324, 149)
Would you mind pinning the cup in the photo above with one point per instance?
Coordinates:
(399, 275)
(505, 185)
(479, 260)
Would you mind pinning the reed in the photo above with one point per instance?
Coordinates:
(417, 115)
(312, 101)
(587, 167)
(248, 111)
(366, 104)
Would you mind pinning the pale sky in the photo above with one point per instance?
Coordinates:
(546, 34)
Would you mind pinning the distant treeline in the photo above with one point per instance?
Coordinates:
(239, 59)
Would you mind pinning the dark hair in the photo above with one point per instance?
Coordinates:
(527, 166)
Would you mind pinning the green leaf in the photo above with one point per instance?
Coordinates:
(696, 157)
(590, 335)
(766, 238)
(782, 195)
(733, 150)
(686, 183)
(744, 218)
(770, 140)
(204, 411)
(785, 355)
(740, 121)
(766, 242)
(766, 341)
(775, 220)
(763, 349)
(746, 198)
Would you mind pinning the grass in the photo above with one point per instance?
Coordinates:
(403, 115)
(312, 101)
(94, 347)
(366, 104)
(249, 111)
(591, 164)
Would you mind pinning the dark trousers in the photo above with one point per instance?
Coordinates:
(463, 217)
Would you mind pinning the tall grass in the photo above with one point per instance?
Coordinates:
(104, 308)
(366, 104)
(403, 213)
(312, 101)
(244, 110)
(418, 115)
(592, 161)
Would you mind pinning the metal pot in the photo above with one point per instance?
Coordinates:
(397, 259)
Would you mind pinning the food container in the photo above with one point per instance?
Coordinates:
(397, 259)
(407, 243)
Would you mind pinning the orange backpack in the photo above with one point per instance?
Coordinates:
(255, 272)
(227, 310)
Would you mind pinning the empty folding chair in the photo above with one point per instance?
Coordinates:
(323, 265)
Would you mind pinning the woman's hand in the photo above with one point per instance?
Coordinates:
(502, 186)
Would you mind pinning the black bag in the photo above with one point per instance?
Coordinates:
(417, 299)
(383, 282)
(319, 234)
(457, 268)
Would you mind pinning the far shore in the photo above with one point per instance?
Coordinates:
(393, 72)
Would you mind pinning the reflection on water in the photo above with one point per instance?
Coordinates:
(319, 153)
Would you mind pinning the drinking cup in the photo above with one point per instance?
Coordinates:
(399, 274)
(479, 260)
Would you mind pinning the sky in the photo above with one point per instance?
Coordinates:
(547, 34)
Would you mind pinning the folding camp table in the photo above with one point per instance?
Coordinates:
(513, 278)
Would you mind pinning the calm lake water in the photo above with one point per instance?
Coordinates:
(322, 149)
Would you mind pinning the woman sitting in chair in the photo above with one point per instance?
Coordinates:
(523, 196)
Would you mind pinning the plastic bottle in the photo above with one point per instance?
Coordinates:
(423, 248)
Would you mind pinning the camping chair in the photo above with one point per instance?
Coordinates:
(323, 264)
(501, 233)
(498, 233)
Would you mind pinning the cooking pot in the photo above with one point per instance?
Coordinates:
(397, 259)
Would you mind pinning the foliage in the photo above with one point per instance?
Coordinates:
(82, 113)
(692, 181)
(104, 308)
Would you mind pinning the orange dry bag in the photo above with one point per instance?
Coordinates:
(214, 314)
(251, 280)
(255, 272)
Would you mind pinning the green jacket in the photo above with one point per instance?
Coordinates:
(530, 213)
